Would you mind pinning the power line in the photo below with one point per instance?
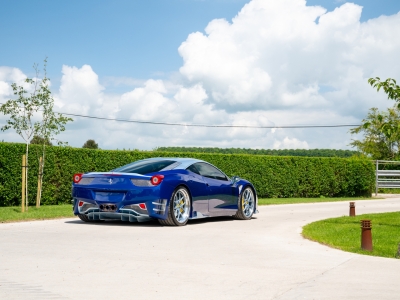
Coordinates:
(209, 126)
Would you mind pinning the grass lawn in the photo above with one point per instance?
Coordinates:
(14, 214)
(344, 233)
(271, 201)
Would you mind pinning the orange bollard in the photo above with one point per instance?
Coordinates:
(352, 212)
(366, 235)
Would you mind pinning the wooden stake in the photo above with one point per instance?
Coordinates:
(23, 182)
(39, 186)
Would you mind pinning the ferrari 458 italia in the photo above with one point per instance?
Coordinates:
(171, 190)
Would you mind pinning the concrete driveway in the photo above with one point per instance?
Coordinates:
(265, 258)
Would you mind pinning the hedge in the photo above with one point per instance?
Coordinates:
(272, 176)
(275, 152)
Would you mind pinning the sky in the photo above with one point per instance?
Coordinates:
(214, 62)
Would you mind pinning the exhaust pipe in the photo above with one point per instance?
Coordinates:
(108, 207)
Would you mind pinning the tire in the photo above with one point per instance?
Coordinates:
(178, 208)
(246, 204)
(84, 218)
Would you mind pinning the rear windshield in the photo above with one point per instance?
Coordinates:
(145, 167)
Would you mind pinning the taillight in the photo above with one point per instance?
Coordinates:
(156, 179)
(77, 177)
(142, 205)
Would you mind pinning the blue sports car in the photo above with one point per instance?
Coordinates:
(171, 190)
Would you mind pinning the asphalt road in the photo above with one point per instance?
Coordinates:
(265, 258)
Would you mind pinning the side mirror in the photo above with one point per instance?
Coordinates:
(235, 179)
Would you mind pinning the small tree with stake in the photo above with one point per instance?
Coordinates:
(51, 124)
(24, 107)
(21, 111)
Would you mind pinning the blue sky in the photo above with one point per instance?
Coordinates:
(176, 61)
(117, 38)
(120, 38)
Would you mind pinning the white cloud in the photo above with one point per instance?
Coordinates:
(276, 63)
(7, 76)
(288, 143)
(11, 75)
(80, 90)
(274, 54)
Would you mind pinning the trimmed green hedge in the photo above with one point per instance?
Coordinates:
(275, 152)
(272, 176)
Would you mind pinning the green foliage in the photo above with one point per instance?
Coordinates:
(21, 109)
(389, 86)
(38, 140)
(28, 102)
(52, 123)
(275, 152)
(381, 134)
(381, 130)
(273, 177)
(90, 144)
(36, 98)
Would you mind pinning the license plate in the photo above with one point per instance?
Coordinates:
(107, 196)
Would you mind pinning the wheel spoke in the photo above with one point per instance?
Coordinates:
(247, 202)
(181, 205)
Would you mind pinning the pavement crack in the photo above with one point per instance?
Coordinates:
(312, 278)
(14, 289)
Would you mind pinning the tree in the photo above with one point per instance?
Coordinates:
(29, 103)
(21, 111)
(381, 132)
(38, 140)
(90, 144)
(389, 86)
(381, 129)
(51, 124)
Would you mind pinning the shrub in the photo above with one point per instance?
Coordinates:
(272, 176)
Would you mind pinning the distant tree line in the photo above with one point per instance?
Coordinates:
(275, 152)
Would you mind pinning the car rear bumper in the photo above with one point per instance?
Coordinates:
(123, 215)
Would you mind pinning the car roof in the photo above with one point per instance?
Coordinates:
(183, 161)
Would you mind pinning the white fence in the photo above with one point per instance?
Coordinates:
(389, 179)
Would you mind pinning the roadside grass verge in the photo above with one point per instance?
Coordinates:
(273, 201)
(344, 233)
(14, 214)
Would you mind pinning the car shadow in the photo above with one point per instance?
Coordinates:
(152, 223)
(210, 220)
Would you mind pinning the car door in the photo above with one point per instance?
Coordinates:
(221, 195)
(199, 193)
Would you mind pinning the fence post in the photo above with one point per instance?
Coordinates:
(23, 182)
(376, 179)
(39, 187)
